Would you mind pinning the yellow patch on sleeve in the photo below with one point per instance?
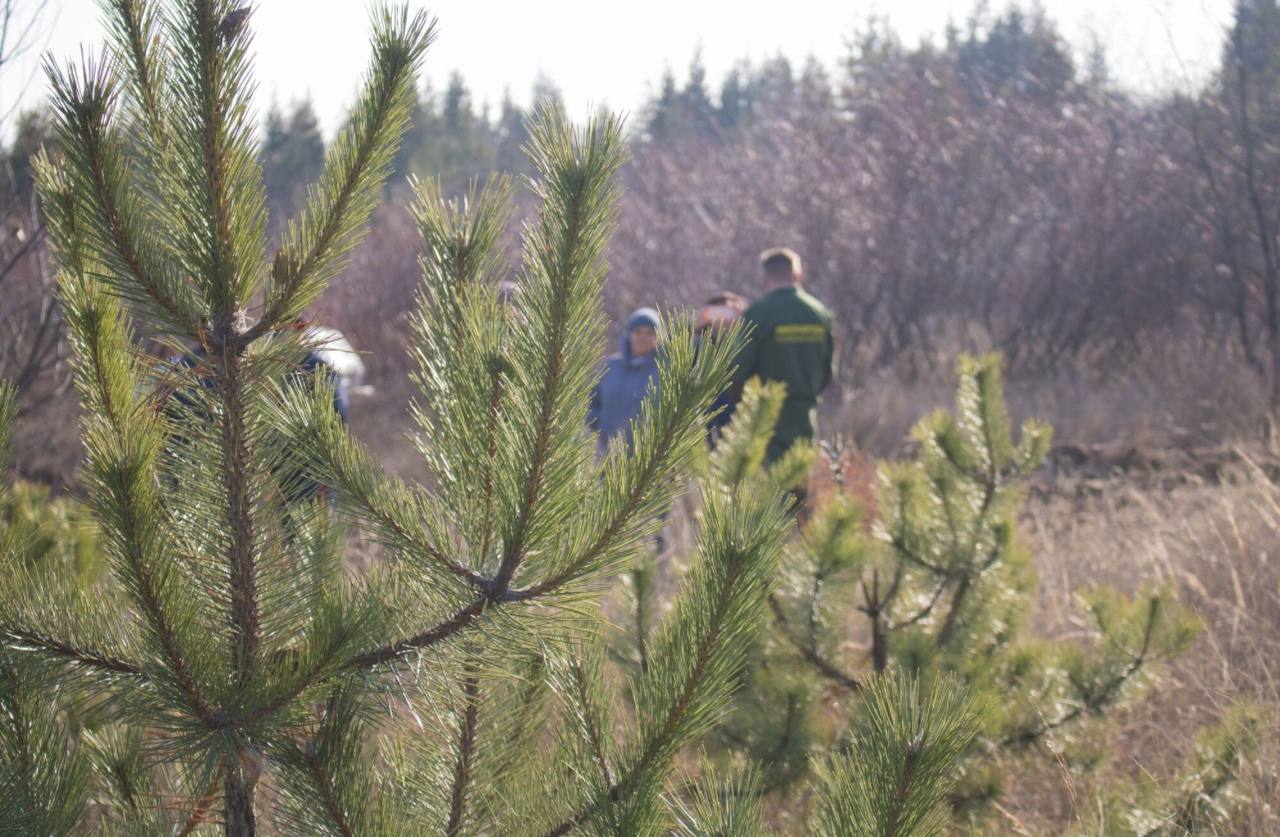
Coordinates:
(800, 333)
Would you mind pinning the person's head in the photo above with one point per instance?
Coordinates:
(642, 332)
(720, 311)
(780, 267)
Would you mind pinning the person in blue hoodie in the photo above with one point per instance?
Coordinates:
(616, 400)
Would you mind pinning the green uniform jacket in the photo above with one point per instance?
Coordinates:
(790, 341)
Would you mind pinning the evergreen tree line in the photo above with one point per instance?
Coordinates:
(451, 137)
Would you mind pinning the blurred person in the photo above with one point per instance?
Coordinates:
(328, 354)
(342, 365)
(616, 401)
(715, 316)
(626, 379)
(790, 341)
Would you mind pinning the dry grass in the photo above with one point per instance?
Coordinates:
(1215, 545)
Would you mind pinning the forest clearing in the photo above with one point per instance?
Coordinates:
(931, 489)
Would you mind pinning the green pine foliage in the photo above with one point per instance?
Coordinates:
(42, 791)
(719, 805)
(55, 535)
(231, 671)
(896, 778)
(1201, 799)
(932, 580)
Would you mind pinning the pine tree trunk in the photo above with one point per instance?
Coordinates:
(240, 818)
(949, 625)
(879, 644)
(238, 815)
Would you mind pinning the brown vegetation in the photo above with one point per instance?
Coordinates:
(1214, 542)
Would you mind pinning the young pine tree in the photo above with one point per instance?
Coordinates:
(932, 580)
(234, 673)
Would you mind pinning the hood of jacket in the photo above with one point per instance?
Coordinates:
(639, 317)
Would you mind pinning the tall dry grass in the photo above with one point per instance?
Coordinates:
(1216, 545)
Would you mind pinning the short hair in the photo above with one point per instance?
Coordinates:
(729, 299)
(780, 263)
(720, 310)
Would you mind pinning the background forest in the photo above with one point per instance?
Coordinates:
(988, 191)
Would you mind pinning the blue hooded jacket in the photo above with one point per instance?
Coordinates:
(616, 400)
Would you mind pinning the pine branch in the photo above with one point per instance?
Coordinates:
(134, 25)
(653, 468)
(896, 777)
(666, 735)
(741, 450)
(1203, 800)
(576, 173)
(214, 183)
(720, 806)
(1096, 698)
(947, 631)
(59, 649)
(659, 450)
(922, 613)
(200, 812)
(160, 625)
(488, 486)
(209, 65)
(462, 773)
(664, 441)
(330, 800)
(701, 646)
(122, 462)
(667, 732)
(325, 778)
(83, 105)
(15, 710)
(439, 632)
(461, 351)
(554, 356)
(810, 654)
(547, 402)
(241, 550)
(392, 507)
(640, 581)
(595, 737)
(320, 668)
(43, 776)
(355, 166)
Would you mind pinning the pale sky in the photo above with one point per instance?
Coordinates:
(614, 54)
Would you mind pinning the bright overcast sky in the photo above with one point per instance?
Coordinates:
(615, 54)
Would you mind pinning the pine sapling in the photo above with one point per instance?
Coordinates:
(933, 582)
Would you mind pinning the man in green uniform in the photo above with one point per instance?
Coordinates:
(791, 342)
